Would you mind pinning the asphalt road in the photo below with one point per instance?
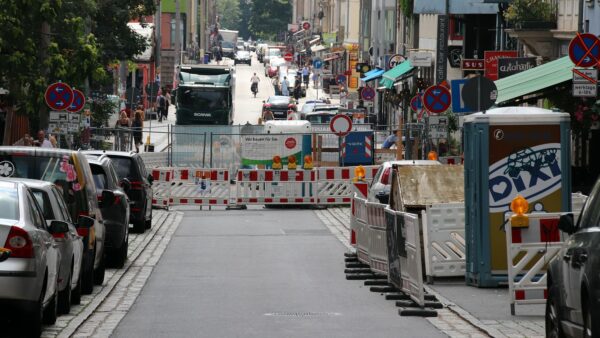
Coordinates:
(260, 273)
(247, 107)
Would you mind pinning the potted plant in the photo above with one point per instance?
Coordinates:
(531, 14)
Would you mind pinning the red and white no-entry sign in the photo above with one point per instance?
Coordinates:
(341, 125)
(288, 57)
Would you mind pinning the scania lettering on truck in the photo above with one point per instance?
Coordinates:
(205, 94)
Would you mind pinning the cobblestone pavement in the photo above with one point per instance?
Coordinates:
(452, 319)
(99, 313)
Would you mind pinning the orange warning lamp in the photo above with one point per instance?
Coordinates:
(359, 173)
(276, 162)
(432, 155)
(308, 164)
(292, 162)
(519, 206)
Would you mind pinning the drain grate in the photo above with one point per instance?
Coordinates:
(303, 314)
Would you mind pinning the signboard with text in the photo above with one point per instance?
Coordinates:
(441, 67)
(420, 58)
(491, 62)
(511, 66)
(472, 64)
(585, 82)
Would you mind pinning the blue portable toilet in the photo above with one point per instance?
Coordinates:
(510, 151)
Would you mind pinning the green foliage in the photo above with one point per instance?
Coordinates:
(269, 17)
(530, 10)
(245, 15)
(406, 7)
(452, 121)
(229, 14)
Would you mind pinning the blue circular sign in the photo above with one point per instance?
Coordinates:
(584, 50)
(437, 99)
(59, 96)
(340, 79)
(78, 101)
(317, 63)
(367, 93)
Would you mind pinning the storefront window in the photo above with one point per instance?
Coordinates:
(389, 25)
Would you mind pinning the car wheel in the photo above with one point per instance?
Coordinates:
(139, 226)
(149, 221)
(51, 310)
(121, 254)
(87, 283)
(32, 321)
(76, 292)
(64, 296)
(590, 322)
(553, 328)
(99, 272)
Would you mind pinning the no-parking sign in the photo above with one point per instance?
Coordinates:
(437, 99)
(59, 96)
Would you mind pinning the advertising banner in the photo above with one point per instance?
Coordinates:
(525, 160)
(259, 150)
(491, 61)
(511, 66)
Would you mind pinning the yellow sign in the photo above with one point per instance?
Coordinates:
(353, 83)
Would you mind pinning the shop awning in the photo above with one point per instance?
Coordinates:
(534, 79)
(394, 74)
(372, 75)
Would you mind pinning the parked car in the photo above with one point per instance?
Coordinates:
(278, 105)
(114, 205)
(379, 189)
(272, 69)
(242, 56)
(70, 172)
(308, 105)
(261, 50)
(70, 245)
(271, 52)
(573, 306)
(130, 166)
(30, 266)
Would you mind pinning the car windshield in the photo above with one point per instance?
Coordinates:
(278, 100)
(9, 203)
(243, 54)
(274, 52)
(320, 118)
(202, 98)
(227, 44)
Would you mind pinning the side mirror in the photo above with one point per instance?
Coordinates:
(85, 222)
(125, 184)
(108, 198)
(150, 179)
(58, 227)
(566, 224)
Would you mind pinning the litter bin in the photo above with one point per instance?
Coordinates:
(510, 151)
(207, 58)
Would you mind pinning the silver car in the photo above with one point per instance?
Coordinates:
(70, 244)
(29, 272)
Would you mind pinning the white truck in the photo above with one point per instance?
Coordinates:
(229, 42)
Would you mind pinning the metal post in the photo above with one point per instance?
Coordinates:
(177, 42)
(211, 150)
(204, 151)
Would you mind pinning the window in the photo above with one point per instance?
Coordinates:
(390, 22)
(100, 180)
(36, 214)
(174, 30)
(591, 212)
(124, 167)
(44, 202)
(62, 207)
(9, 203)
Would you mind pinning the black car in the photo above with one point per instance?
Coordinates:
(573, 304)
(131, 166)
(278, 105)
(114, 205)
(242, 56)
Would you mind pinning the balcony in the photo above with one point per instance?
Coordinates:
(532, 22)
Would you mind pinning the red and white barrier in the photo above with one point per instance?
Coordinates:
(268, 186)
(529, 249)
(336, 184)
(161, 187)
(190, 186)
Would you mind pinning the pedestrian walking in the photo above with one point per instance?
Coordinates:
(122, 131)
(285, 84)
(297, 88)
(169, 102)
(136, 127)
(305, 75)
(161, 105)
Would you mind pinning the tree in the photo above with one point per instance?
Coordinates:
(269, 17)
(229, 14)
(245, 15)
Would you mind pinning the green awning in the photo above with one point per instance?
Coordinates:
(392, 75)
(534, 79)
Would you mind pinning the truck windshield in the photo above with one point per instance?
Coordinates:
(202, 98)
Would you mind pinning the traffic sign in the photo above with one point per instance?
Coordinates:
(306, 25)
(367, 93)
(584, 50)
(58, 96)
(479, 93)
(317, 63)
(341, 125)
(395, 60)
(458, 104)
(78, 101)
(340, 79)
(437, 99)
(585, 82)
(288, 57)
(416, 103)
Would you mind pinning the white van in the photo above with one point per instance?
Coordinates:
(287, 127)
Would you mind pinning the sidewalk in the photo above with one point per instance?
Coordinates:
(487, 309)
(158, 131)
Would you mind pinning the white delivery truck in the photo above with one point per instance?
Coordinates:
(229, 42)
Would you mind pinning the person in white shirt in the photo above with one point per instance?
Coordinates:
(285, 84)
(42, 141)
